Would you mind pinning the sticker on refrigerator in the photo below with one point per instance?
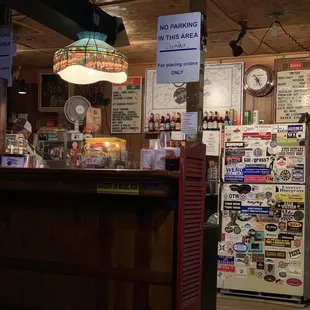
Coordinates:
(254, 210)
(225, 260)
(295, 253)
(293, 226)
(278, 243)
(294, 282)
(298, 215)
(240, 247)
(282, 236)
(275, 254)
(271, 227)
(241, 272)
(260, 265)
(287, 215)
(222, 248)
(255, 247)
(226, 268)
(297, 175)
(295, 272)
(232, 205)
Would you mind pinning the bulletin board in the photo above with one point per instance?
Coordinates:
(293, 89)
(223, 90)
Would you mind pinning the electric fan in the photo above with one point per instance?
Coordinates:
(75, 111)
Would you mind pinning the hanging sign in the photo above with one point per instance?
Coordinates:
(293, 89)
(126, 106)
(6, 50)
(178, 48)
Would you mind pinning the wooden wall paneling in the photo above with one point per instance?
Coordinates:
(143, 255)
(123, 256)
(162, 258)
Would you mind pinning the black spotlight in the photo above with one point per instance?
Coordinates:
(237, 50)
(22, 87)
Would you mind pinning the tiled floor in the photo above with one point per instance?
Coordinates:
(240, 303)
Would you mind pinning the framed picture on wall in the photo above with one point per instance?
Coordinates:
(53, 92)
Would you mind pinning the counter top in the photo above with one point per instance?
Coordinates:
(89, 181)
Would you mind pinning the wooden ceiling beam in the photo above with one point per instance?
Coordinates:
(119, 2)
(227, 19)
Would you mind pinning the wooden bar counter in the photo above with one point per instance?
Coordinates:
(102, 239)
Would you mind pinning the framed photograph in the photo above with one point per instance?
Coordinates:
(53, 92)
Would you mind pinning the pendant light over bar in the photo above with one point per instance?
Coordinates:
(90, 60)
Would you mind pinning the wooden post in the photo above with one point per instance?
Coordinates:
(4, 19)
(195, 90)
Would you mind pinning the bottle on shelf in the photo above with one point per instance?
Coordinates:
(226, 119)
(172, 125)
(157, 120)
(210, 121)
(231, 117)
(215, 121)
(221, 121)
(147, 125)
(168, 123)
(162, 124)
(205, 121)
(178, 122)
(151, 123)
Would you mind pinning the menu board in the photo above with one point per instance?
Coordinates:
(293, 89)
(126, 106)
(264, 154)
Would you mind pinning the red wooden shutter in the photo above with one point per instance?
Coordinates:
(190, 227)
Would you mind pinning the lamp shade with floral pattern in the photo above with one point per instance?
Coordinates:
(90, 60)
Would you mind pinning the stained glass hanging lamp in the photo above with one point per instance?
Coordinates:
(90, 60)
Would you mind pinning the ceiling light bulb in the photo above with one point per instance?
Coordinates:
(274, 29)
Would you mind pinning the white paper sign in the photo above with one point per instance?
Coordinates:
(293, 97)
(126, 106)
(178, 48)
(189, 123)
(6, 49)
(211, 138)
(177, 136)
(12, 161)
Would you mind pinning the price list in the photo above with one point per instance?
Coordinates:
(126, 106)
(293, 95)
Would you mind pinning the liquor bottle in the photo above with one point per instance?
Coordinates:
(205, 121)
(168, 123)
(215, 121)
(178, 122)
(226, 119)
(210, 121)
(162, 124)
(147, 125)
(231, 117)
(173, 122)
(151, 123)
(221, 121)
(157, 120)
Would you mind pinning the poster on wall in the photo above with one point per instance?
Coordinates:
(223, 91)
(126, 106)
(293, 85)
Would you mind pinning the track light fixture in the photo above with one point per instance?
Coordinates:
(237, 50)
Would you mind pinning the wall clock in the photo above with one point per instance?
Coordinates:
(258, 81)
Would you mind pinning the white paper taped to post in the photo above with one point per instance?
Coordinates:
(178, 48)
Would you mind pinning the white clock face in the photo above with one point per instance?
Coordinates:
(257, 79)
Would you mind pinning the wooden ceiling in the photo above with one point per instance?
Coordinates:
(36, 43)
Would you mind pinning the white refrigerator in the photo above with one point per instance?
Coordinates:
(264, 247)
